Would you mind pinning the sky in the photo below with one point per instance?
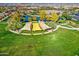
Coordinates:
(42, 4)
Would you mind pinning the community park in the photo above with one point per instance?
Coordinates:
(39, 29)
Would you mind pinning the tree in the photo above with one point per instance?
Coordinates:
(14, 22)
(42, 14)
(66, 16)
(54, 17)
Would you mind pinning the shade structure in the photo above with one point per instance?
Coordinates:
(27, 26)
(43, 25)
(36, 27)
(26, 18)
(38, 18)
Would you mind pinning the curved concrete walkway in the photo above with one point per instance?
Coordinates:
(30, 33)
(58, 26)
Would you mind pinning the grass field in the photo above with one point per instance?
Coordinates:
(59, 43)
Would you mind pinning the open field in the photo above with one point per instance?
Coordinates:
(61, 42)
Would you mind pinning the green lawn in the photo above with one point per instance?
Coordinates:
(61, 42)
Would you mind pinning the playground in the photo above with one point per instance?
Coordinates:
(31, 24)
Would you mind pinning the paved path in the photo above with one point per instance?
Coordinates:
(58, 26)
